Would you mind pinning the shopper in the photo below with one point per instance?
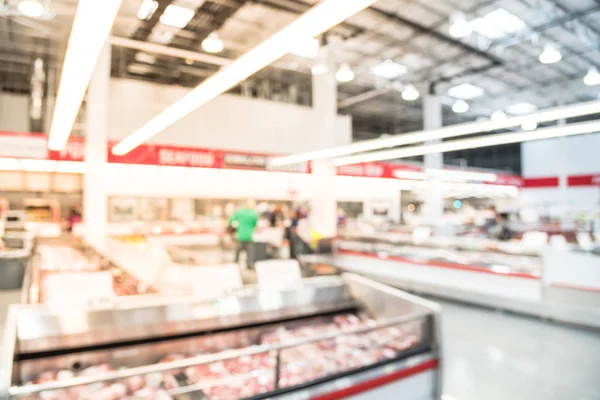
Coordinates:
(290, 232)
(501, 231)
(74, 218)
(276, 216)
(244, 221)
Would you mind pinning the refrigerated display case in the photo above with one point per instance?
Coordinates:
(68, 271)
(489, 261)
(330, 337)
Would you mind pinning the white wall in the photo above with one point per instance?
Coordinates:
(579, 155)
(561, 157)
(14, 112)
(228, 122)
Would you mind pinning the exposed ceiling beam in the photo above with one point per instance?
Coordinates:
(359, 98)
(169, 51)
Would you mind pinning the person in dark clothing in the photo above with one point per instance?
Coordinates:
(290, 233)
(501, 231)
(276, 216)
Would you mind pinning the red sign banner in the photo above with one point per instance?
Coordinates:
(584, 180)
(34, 145)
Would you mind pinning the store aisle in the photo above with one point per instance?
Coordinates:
(497, 356)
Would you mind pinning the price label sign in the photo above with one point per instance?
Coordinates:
(278, 274)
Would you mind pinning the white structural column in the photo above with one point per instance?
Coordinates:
(433, 208)
(563, 176)
(95, 202)
(324, 96)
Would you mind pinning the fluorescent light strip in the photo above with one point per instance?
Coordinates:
(91, 27)
(551, 114)
(486, 141)
(35, 165)
(451, 175)
(315, 21)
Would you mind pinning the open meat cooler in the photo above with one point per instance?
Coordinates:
(329, 338)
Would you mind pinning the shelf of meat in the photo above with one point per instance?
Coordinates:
(326, 329)
(52, 260)
(251, 375)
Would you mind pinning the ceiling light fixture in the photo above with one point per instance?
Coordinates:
(31, 8)
(213, 44)
(550, 55)
(521, 108)
(459, 26)
(551, 114)
(497, 24)
(315, 21)
(91, 27)
(410, 93)
(474, 143)
(593, 77)
(529, 126)
(147, 9)
(466, 91)
(344, 73)
(162, 34)
(176, 16)
(460, 106)
(498, 116)
(388, 69)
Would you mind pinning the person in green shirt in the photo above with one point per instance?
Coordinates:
(244, 220)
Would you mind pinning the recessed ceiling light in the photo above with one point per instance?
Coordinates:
(410, 93)
(213, 44)
(459, 26)
(529, 126)
(388, 69)
(498, 116)
(550, 55)
(147, 9)
(592, 78)
(521, 108)
(31, 8)
(344, 73)
(176, 16)
(460, 106)
(308, 48)
(497, 24)
(161, 34)
(466, 91)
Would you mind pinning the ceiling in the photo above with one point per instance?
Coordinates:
(500, 57)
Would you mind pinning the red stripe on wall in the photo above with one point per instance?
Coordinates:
(438, 264)
(380, 381)
(549, 182)
(584, 180)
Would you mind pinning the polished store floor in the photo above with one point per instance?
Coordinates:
(496, 356)
(491, 355)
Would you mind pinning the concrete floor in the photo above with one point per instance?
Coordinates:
(495, 356)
